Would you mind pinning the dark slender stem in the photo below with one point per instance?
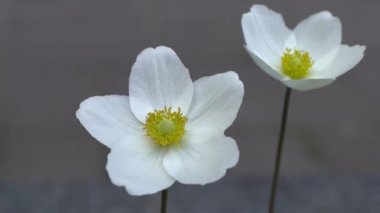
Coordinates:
(164, 199)
(279, 151)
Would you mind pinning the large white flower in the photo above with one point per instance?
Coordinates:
(169, 128)
(309, 57)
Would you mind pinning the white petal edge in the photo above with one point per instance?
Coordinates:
(216, 102)
(318, 34)
(109, 119)
(201, 160)
(159, 79)
(137, 165)
(265, 33)
(271, 71)
(344, 59)
(307, 84)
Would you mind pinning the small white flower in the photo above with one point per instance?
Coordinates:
(169, 128)
(309, 57)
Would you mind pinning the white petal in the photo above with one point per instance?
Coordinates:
(201, 160)
(344, 59)
(307, 84)
(265, 34)
(318, 34)
(265, 67)
(216, 102)
(323, 62)
(109, 119)
(159, 79)
(138, 166)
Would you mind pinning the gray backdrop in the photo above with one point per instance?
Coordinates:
(54, 54)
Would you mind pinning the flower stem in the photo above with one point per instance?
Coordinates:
(279, 150)
(164, 198)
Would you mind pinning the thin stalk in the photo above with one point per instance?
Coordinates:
(164, 200)
(280, 145)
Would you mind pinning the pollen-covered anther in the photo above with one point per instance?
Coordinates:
(165, 127)
(296, 64)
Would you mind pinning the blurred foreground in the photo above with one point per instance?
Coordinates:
(341, 194)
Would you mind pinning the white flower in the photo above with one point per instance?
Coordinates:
(169, 128)
(309, 57)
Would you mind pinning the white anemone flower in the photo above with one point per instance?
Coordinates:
(309, 57)
(169, 128)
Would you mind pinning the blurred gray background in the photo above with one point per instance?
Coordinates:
(56, 53)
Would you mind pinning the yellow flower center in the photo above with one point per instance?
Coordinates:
(165, 127)
(296, 64)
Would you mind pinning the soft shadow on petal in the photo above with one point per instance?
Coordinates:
(318, 34)
(345, 59)
(265, 33)
(323, 62)
(109, 119)
(265, 67)
(307, 84)
(159, 79)
(216, 102)
(201, 160)
(138, 166)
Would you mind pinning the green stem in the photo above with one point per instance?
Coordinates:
(164, 199)
(281, 137)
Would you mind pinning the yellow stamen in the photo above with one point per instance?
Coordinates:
(165, 127)
(296, 64)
